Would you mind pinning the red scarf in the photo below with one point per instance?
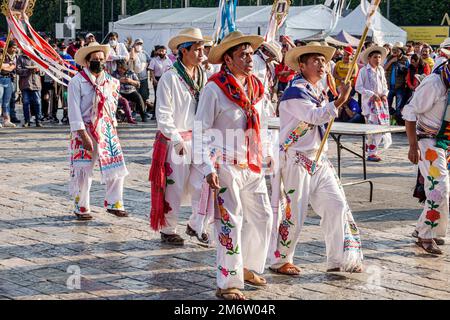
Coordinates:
(236, 93)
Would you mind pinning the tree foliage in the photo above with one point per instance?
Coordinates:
(48, 12)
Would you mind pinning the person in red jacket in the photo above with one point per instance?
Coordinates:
(283, 73)
(417, 67)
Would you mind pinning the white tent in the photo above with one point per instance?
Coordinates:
(157, 26)
(382, 30)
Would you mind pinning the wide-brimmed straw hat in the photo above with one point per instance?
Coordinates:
(367, 52)
(82, 53)
(293, 54)
(209, 42)
(186, 35)
(231, 40)
(274, 48)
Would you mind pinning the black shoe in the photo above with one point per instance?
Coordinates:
(65, 120)
(144, 118)
(15, 120)
(27, 125)
(39, 125)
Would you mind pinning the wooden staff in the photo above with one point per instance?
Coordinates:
(347, 79)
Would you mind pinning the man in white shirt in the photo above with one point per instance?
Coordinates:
(427, 118)
(230, 109)
(139, 63)
(92, 104)
(118, 52)
(304, 110)
(158, 66)
(178, 93)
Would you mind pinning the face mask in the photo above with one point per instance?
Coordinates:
(162, 55)
(138, 48)
(113, 43)
(96, 66)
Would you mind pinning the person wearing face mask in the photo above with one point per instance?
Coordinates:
(118, 52)
(139, 63)
(159, 64)
(92, 100)
(178, 93)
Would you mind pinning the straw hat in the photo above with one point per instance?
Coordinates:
(399, 45)
(445, 44)
(82, 53)
(274, 48)
(208, 41)
(231, 40)
(292, 55)
(186, 35)
(367, 52)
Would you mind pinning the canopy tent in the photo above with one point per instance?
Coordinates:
(347, 38)
(329, 40)
(157, 26)
(382, 30)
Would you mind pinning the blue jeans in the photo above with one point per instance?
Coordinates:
(12, 103)
(5, 94)
(31, 98)
(400, 96)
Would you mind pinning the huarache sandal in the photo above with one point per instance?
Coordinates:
(173, 239)
(118, 213)
(439, 241)
(83, 217)
(429, 245)
(253, 279)
(230, 294)
(192, 233)
(287, 269)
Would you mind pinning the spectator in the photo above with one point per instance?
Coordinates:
(73, 48)
(118, 52)
(388, 48)
(299, 43)
(160, 64)
(49, 99)
(396, 69)
(442, 57)
(342, 67)
(7, 75)
(62, 90)
(13, 53)
(351, 112)
(283, 73)
(30, 85)
(409, 48)
(418, 47)
(426, 51)
(89, 39)
(418, 67)
(173, 56)
(129, 81)
(139, 63)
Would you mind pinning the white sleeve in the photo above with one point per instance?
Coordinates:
(422, 101)
(122, 53)
(164, 110)
(152, 64)
(384, 82)
(309, 112)
(360, 84)
(206, 115)
(74, 106)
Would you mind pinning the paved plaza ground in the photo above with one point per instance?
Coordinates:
(43, 246)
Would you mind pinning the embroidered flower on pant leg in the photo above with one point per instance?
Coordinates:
(224, 237)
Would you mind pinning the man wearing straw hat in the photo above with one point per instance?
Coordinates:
(92, 105)
(427, 118)
(209, 68)
(372, 85)
(177, 98)
(230, 109)
(304, 109)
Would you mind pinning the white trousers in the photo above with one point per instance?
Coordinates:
(323, 191)
(114, 189)
(433, 222)
(179, 191)
(244, 226)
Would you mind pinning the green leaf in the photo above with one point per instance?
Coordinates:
(223, 190)
(429, 202)
(290, 222)
(428, 223)
(289, 242)
(230, 253)
(236, 250)
(430, 178)
(170, 181)
(229, 225)
(291, 191)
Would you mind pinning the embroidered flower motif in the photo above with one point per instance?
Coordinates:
(225, 272)
(277, 254)
(286, 223)
(433, 215)
(105, 204)
(83, 209)
(435, 196)
(434, 172)
(431, 155)
(118, 205)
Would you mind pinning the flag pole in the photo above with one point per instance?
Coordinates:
(347, 78)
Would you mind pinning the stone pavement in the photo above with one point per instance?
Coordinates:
(43, 248)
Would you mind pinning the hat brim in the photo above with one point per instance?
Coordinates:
(293, 54)
(82, 53)
(217, 52)
(276, 52)
(446, 52)
(367, 52)
(180, 39)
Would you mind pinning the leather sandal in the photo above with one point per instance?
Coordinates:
(173, 239)
(288, 269)
(192, 233)
(83, 217)
(253, 279)
(118, 213)
(230, 294)
(439, 241)
(429, 245)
